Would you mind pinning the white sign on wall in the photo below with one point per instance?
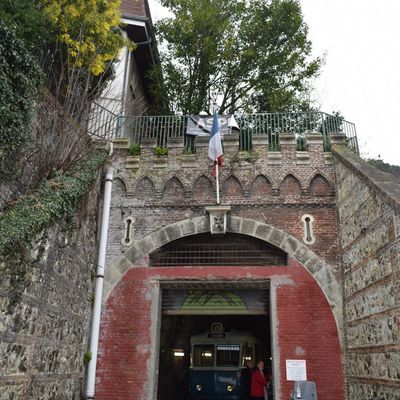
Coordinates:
(296, 370)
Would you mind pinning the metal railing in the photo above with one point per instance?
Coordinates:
(103, 123)
(272, 125)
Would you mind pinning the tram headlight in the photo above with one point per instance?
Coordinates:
(229, 388)
(199, 388)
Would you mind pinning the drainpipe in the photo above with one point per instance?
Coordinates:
(94, 336)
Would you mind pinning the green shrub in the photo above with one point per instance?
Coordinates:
(134, 149)
(161, 151)
(249, 156)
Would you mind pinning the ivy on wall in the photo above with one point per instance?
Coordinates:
(54, 199)
(20, 77)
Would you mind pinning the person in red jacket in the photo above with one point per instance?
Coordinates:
(258, 382)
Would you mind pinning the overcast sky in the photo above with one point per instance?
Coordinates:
(361, 76)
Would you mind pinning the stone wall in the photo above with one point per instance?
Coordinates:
(44, 333)
(369, 231)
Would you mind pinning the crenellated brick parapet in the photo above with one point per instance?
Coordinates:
(310, 172)
(278, 187)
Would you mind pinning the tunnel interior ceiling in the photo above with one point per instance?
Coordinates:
(215, 300)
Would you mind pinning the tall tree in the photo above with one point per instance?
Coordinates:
(248, 55)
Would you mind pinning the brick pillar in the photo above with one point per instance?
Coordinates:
(315, 147)
(287, 142)
(202, 147)
(260, 145)
(175, 147)
(231, 145)
(147, 147)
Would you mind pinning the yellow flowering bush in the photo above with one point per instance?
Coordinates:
(89, 29)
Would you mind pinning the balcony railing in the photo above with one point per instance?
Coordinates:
(300, 124)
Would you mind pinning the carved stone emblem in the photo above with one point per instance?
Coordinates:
(218, 216)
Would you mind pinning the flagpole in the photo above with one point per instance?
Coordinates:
(217, 179)
(217, 160)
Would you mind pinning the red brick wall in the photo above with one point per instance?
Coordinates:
(288, 219)
(135, 7)
(305, 329)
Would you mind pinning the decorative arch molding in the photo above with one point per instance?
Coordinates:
(145, 188)
(290, 186)
(203, 188)
(119, 186)
(187, 186)
(232, 187)
(136, 182)
(173, 189)
(295, 248)
(320, 186)
(124, 179)
(293, 175)
(261, 186)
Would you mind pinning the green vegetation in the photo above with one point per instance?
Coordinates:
(250, 55)
(87, 357)
(31, 24)
(134, 149)
(161, 151)
(249, 156)
(55, 198)
(20, 79)
(55, 58)
(385, 167)
(69, 47)
(85, 31)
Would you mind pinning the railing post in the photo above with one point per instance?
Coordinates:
(120, 124)
(325, 138)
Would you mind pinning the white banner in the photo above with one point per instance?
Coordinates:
(200, 125)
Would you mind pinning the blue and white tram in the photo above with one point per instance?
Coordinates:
(216, 360)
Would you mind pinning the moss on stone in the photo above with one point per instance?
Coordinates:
(55, 198)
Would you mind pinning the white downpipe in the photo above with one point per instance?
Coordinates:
(94, 336)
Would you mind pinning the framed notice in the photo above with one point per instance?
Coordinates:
(296, 370)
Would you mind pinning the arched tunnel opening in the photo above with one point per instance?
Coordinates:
(183, 366)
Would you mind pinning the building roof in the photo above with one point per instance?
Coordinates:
(139, 27)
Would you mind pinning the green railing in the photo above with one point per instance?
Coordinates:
(270, 124)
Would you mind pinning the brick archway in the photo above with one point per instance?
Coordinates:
(296, 249)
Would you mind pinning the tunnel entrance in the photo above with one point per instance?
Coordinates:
(190, 309)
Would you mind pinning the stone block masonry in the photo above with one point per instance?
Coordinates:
(44, 335)
(369, 234)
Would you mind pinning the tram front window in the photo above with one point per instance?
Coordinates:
(203, 355)
(228, 355)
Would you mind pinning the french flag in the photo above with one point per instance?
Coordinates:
(215, 145)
